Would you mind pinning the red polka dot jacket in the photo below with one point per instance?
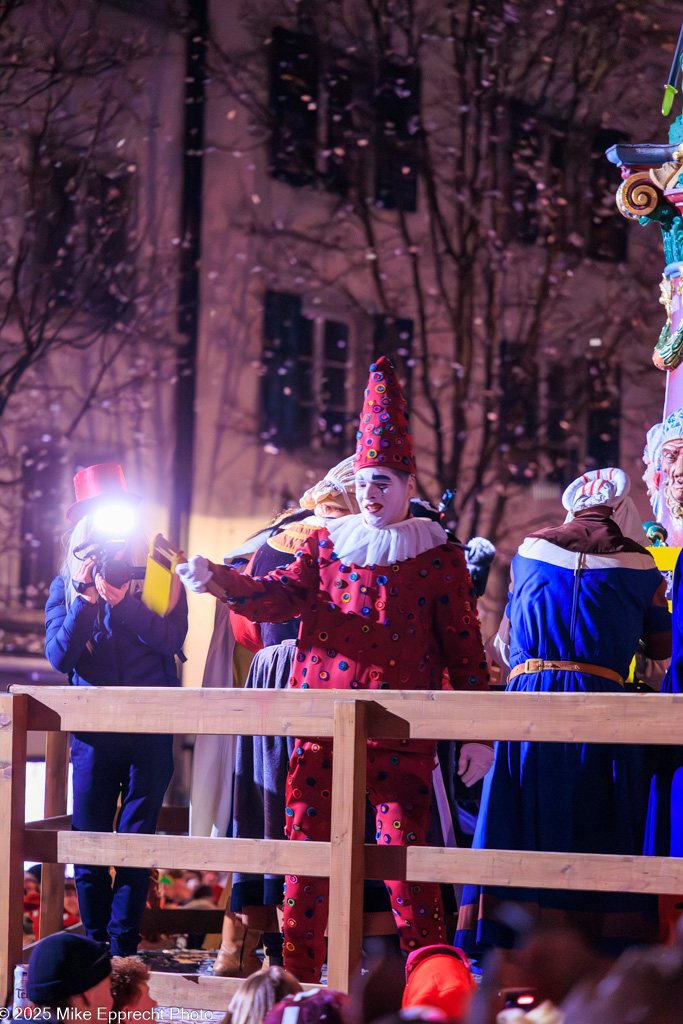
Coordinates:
(375, 626)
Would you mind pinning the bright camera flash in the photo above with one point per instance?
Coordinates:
(115, 520)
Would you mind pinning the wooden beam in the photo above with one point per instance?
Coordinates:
(598, 872)
(548, 717)
(41, 718)
(347, 838)
(381, 721)
(254, 855)
(422, 864)
(195, 992)
(174, 820)
(181, 920)
(13, 712)
(52, 877)
(73, 929)
(577, 718)
(60, 822)
(41, 846)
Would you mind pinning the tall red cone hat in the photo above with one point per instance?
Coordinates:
(95, 483)
(383, 436)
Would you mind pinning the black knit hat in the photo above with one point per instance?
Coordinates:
(64, 965)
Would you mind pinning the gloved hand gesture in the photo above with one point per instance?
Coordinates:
(474, 762)
(479, 551)
(195, 573)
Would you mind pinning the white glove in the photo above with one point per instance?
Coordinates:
(479, 551)
(474, 762)
(195, 573)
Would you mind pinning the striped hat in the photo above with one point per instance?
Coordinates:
(599, 487)
(383, 436)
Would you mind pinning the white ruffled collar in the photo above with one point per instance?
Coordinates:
(356, 542)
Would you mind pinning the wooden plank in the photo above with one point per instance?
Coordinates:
(174, 820)
(347, 844)
(41, 718)
(199, 711)
(195, 991)
(550, 717)
(13, 712)
(74, 929)
(598, 872)
(380, 721)
(60, 822)
(56, 773)
(253, 855)
(52, 878)
(192, 991)
(423, 864)
(180, 920)
(40, 846)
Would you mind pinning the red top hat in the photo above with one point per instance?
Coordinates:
(384, 437)
(93, 483)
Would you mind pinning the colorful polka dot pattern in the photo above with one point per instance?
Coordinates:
(372, 627)
(383, 436)
(399, 788)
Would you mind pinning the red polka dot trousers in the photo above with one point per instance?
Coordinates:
(399, 783)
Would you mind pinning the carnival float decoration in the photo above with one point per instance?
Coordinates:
(652, 191)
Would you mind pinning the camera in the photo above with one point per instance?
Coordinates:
(113, 571)
(117, 573)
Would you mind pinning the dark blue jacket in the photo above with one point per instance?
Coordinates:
(124, 645)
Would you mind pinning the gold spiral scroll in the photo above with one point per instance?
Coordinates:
(637, 196)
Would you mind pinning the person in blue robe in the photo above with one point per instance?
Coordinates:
(582, 596)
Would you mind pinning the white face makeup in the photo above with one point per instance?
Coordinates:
(383, 495)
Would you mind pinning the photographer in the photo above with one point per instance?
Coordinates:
(99, 632)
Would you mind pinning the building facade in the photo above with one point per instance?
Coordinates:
(423, 181)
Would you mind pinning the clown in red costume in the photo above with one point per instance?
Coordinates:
(386, 602)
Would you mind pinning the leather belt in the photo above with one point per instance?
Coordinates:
(538, 665)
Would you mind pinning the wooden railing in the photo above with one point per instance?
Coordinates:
(349, 718)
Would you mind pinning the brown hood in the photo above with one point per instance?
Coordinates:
(591, 531)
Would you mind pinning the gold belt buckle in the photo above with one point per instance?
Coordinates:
(533, 665)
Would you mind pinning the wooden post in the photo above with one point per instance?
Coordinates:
(52, 878)
(12, 796)
(347, 850)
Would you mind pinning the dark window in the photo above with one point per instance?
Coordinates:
(42, 523)
(333, 416)
(397, 114)
(83, 216)
(340, 129)
(304, 385)
(525, 156)
(583, 418)
(604, 411)
(564, 393)
(287, 386)
(608, 230)
(536, 175)
(518, 423)
(293, 106)
(168, 12)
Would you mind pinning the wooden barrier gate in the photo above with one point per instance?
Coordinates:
(349, 718)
